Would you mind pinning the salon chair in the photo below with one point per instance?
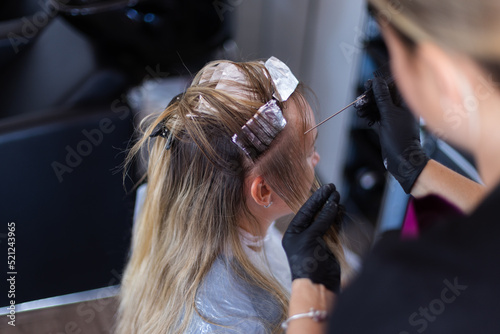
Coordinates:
(63, 189)
(65, 122)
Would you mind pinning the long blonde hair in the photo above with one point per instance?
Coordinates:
(469, 27)
(195, 200)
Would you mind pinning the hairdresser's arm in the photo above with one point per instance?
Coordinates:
(315, 270)
(405, 159)
(306, 294)
(436, 179)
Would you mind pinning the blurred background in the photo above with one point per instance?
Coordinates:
(77, 75)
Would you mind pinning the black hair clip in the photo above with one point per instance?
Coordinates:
(162, 131)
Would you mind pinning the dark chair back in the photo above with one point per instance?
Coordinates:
(62, 187)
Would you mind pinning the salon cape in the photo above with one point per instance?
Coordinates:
(225, 299)
(233, 306)
(230, 302)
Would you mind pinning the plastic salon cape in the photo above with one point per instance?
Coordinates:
(226, 300)
(232, 304)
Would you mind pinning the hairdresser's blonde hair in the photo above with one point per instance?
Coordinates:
(469, 27)
(195, 199)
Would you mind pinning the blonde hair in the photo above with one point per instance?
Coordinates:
(195, 199)
(469, 27)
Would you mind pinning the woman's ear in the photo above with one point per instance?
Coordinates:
(441, 65)
(261, 191)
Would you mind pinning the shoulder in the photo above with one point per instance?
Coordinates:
(221, 290)
(226, 305)
(447, 281)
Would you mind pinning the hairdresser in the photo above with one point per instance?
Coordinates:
(445, 56)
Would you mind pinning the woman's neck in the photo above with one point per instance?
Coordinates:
(257, 228)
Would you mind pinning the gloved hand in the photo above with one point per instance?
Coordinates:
(307, 253)
(399, 136)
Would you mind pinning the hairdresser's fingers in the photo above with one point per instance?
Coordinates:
(326, 217)
(336, 196)
(368, 84)
(306, 214)
(382, 94)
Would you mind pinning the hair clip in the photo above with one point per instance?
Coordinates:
(162, 131)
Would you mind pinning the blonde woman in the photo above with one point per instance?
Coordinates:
(445, 56)
(226, 158)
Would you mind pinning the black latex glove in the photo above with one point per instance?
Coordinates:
(367, 107)
(307, 252)
(399, 136)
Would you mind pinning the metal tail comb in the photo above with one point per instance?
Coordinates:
(383, 72)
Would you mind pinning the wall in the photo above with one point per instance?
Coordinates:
(320, 40)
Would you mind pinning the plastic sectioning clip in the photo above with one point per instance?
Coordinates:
(161, 131)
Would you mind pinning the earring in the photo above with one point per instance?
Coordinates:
(267, 206)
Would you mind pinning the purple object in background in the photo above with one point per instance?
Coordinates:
(424, 212)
